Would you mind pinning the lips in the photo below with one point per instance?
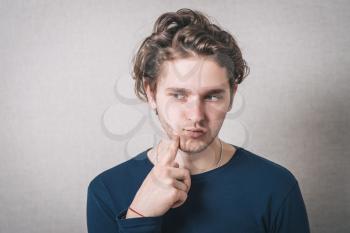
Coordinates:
(195, 129)
(195, 132)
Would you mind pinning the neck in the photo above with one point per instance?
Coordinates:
(202, 161)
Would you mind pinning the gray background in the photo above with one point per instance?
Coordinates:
(66, 94)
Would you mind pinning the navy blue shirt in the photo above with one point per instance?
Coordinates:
(248, 194)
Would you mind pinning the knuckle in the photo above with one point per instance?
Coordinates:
(158, 180)
(178, 195)
(167, 171)
(174, 194)
(157, 170)
(169, 182)
(173, 182)
(186, 195)
(183, 195)
(164, 172)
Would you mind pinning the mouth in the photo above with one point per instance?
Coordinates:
(194, 133)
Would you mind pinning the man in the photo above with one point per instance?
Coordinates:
(192, 181)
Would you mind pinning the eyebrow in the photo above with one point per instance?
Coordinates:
(187, 91)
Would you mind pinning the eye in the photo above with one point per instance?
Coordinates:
(178, 96)
(213, 97)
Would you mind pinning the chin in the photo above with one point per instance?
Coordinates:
(190, 145)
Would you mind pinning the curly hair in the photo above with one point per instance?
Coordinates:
(183, 34)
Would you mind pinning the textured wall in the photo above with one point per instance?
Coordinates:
(67, 110)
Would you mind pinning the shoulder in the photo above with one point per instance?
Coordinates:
(266, 173)
(120, 174)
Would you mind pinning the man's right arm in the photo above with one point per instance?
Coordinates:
(101, 218)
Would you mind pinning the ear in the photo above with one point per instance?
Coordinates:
(150, 95)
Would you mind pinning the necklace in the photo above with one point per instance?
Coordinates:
(202, 169)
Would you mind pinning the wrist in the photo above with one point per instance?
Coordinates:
(132, 213)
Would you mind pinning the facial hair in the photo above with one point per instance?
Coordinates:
(187, 145)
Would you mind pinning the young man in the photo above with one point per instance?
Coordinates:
(192, 181)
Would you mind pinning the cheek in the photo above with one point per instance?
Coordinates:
(216, 117)
(169, 111)
(174, 119)
(172, 116)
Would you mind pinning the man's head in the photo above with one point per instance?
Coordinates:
(185, 61)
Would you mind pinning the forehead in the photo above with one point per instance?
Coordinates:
(194, 73)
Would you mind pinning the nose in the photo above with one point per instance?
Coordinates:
(195, 111)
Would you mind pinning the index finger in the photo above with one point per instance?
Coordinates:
(168, 154)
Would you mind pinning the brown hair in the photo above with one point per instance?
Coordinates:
(182, 34)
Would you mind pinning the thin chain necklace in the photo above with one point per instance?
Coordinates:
(202, 169)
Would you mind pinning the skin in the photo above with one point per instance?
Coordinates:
(178, 111)
(180, 155)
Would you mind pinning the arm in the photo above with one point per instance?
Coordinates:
(101, 217)
(291, 216)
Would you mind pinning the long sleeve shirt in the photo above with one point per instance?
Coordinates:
(248, 194)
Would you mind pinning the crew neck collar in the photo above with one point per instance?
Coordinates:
(206, 174)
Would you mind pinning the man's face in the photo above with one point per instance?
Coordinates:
(193, 94)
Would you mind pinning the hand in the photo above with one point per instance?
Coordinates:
(166, 185)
